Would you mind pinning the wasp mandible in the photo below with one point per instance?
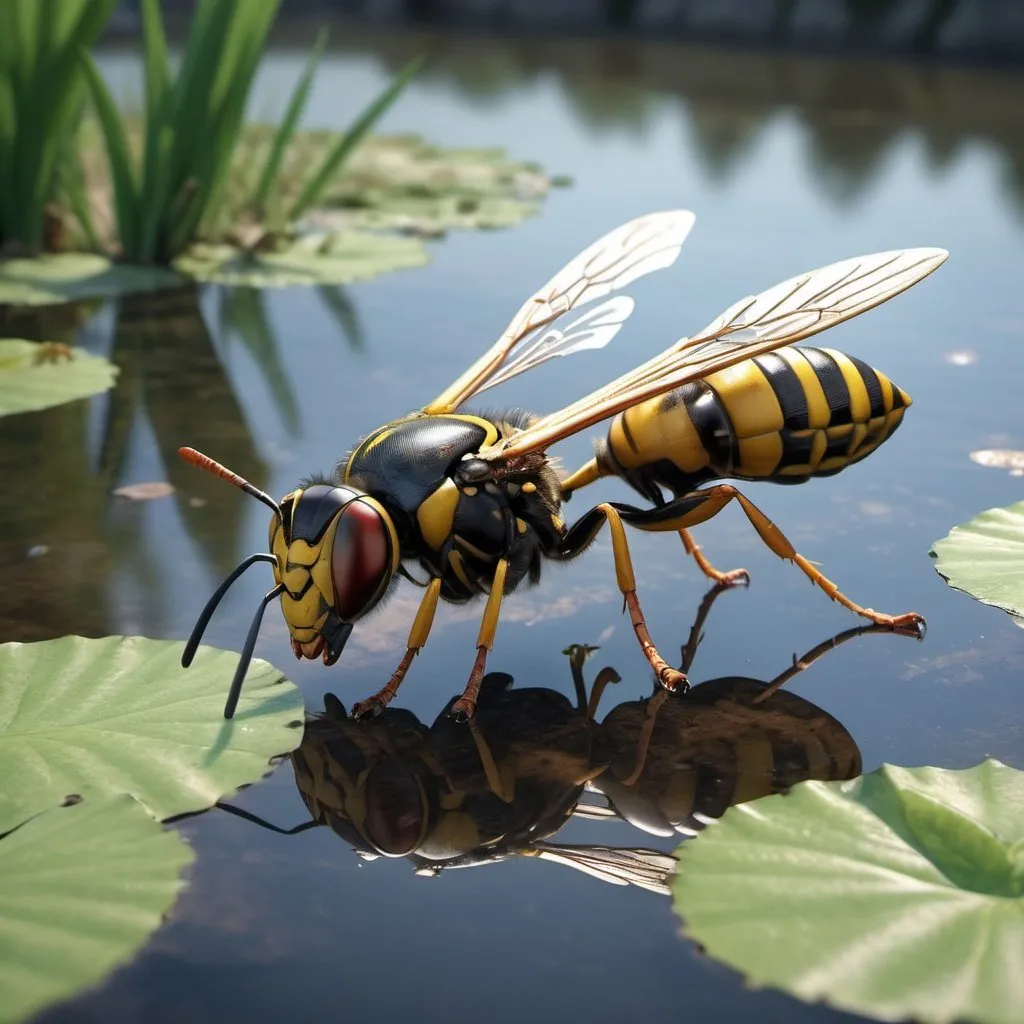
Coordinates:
(475, 502)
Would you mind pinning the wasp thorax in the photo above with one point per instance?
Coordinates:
(336, 552)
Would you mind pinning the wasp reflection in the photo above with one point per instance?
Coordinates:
(456, 795)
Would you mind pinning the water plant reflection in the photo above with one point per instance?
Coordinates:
(453, 795)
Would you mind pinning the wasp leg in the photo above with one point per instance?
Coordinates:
(579, 537)
(417, 638)
(799, 664)
(722, 579)
(699, 506)
(465, 707)
(689, 650)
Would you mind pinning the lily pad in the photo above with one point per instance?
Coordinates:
(314, 259)
(36, 376)
(985, 558)
(899, 895)
(120, 715)
(81, 888)
(66, 277)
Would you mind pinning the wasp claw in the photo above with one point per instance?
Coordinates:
(463, 710)
(369, 708)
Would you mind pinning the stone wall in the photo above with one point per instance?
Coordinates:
(982, 30)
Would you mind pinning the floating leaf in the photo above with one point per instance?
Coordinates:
(333, 258)
(985, 558)
(66, 277)
(34, 376)
(899, 895)
(81, 888)
(120, 715)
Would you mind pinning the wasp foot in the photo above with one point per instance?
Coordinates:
(369, 708)
(463, 710)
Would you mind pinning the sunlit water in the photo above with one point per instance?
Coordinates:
(788, 164)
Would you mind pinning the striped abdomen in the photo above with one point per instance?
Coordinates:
(785, 417)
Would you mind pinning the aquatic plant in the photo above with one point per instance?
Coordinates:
(37, 376)
(41, 98)
(192, 125)
(984, 557)
(899, 895)
(100, 740)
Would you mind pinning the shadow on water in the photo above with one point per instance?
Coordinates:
(449, 795)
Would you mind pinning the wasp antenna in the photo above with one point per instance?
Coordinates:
(198, 459)
(246, 657)
(211, 606)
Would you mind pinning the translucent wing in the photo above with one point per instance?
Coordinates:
(645, 868)
(782, 315)
(649, 243)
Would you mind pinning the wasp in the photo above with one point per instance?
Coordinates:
(445, 797)
(474, 501)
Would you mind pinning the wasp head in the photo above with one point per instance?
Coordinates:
(335, 553)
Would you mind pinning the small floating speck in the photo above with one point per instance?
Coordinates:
(1000, 458)
(37, 551)
(196, 502)
(146, 491)
(961, 357)
(875, 508)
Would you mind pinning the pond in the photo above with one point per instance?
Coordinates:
(789, 163)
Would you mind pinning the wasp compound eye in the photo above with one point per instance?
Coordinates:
(362, 558)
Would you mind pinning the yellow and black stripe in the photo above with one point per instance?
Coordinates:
(786, 416)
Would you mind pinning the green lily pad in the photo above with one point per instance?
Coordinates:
(985, 558)
(899, 895)
(81, 889)
(120, 715)
(314, 259)
(34, 376)
(70, 276)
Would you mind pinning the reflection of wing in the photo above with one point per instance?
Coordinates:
(647, 869)
(782, 315)
(649, 243)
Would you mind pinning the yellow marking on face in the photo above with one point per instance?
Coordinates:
(436, 514)
(304, 613)
(323, 579)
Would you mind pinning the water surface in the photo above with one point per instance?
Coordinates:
(789, 164)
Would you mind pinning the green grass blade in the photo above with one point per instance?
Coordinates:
(366, 120)
(286, 130)
(125, 196)
(224, 63)
(74, 188)
(157, 134)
